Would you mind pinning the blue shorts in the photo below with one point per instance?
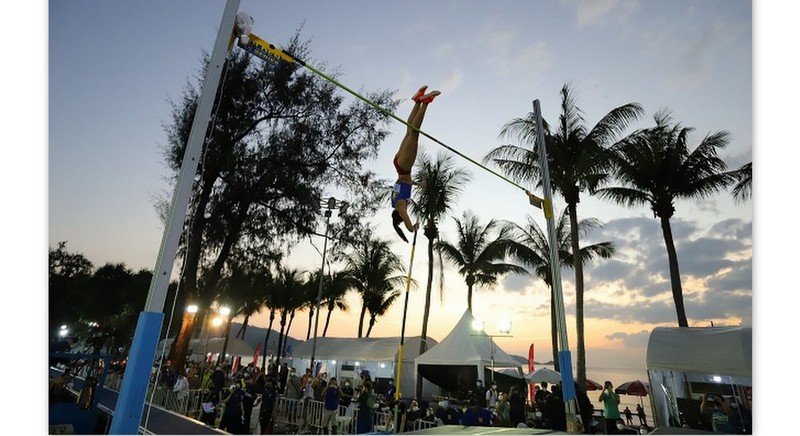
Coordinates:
(401, 191)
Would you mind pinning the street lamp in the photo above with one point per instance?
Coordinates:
(192, 308)
(224, 310)
(63, 332)
(504, 326)
(329, 204)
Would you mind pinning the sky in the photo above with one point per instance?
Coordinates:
(112, 68)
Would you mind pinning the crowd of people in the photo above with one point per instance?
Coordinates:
(243, 389)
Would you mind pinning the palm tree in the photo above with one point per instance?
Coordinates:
(335, 288)
(476, 253)
(440, 183)
(655, 166)
(243, 295)
(310, 300)
(285, 299)
(529, 245)
(378, 303)
(578, 161)
(372, 266)
(743, 189)
(269, 284)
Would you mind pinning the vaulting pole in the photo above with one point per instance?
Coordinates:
(399, 371)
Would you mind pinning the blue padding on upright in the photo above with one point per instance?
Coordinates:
(132, 392)
(567, 382)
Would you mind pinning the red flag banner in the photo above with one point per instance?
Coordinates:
(530, 369)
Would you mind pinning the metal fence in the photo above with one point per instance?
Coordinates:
(306, 416)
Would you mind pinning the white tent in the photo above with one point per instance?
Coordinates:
(464, 347)
(683, 363)
(543, 375)
(348, 357)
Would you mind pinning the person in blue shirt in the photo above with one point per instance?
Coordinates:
(476, 415)
(404, 161)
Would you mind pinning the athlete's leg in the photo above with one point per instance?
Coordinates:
(407, 153)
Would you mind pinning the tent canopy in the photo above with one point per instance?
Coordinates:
(465, 346)
(708, 350)
(366, 349)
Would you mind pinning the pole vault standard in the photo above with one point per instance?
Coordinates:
(399, 371)
(132, 392)
(564, 358)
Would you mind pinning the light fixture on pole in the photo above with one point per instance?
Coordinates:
(329, 204)
(192, 308)
(504, 327)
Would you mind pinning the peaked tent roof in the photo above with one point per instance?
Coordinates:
(366, 349)
(463, 345)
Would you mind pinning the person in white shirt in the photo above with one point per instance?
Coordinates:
(181, 387)
(491, 396)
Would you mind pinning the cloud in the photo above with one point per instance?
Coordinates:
(453, 80)
(738, 278)
(601, 12)
(517, 282)
(654, 312)
(631, 340)
(507, 55)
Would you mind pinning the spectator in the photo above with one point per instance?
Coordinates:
(208, 406)
(249, 394)
(448, 414)
(293, 384)
(390, 391)
(319, 384)
(585, 407)
(232, 416)
(716, 410)
(491, 396)
(366, 404)
(283, 376)
(640, 413)
(181, 386)
(330, 396)
(628, 415)
(480, 393)
(476, 415)
(542, 393)
(346, 394)
(502, 410)
(306, 379)
(267, 406)
(610, 401)
(554, 406)
(413, 413)
(218, 379)
(516, 411)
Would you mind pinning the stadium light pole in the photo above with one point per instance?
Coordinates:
(132, 392)
(330, 204)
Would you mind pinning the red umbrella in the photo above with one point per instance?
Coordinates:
(592, 385)
(638, 388)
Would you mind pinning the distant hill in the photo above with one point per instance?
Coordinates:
(524, 361)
